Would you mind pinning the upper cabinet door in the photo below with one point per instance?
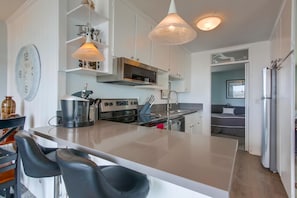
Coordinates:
(287, 42)
(143, 43)
(276, 42)
(177, 62)
(160, 56)
(124, 31)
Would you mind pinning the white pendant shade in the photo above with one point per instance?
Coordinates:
(88, 52)
(173, 30)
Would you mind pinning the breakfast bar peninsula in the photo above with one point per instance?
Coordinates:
(200, 163)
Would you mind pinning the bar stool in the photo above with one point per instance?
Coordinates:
(83, 178)
(38, 161)
(9, 174)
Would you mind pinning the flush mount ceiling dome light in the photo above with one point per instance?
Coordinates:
(209, 23)
(173, 30)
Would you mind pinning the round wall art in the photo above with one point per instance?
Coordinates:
(27, 72)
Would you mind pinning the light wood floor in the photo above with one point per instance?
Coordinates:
(251, 180)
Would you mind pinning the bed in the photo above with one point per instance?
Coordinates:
(228, 120)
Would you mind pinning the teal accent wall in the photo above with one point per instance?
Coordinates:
(218, 87)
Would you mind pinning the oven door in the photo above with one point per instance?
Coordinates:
(126, 116)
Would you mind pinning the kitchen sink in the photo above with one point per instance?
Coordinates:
(173, 113)
(178, 111)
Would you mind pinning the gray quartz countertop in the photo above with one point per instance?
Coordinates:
(201, 163)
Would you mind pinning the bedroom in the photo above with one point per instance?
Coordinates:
(228, 102)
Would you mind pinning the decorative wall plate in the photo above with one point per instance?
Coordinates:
(27, 71)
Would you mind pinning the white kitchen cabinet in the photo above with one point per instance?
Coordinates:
(124, 30)
(160, 56)
(275, 42)
(180, 70)
(177, 62)
(282, 42)
(193, 123)
(143, 44)
(78, 14)
(131, 34)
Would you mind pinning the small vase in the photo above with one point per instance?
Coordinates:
(7, 107)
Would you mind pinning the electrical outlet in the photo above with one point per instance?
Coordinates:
(164, 94)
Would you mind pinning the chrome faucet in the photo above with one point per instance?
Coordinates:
(168, 105)
(85, 93)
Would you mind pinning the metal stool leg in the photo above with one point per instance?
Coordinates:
(17, 189)
(57, 186)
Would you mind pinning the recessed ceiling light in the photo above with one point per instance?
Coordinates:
(209, 23)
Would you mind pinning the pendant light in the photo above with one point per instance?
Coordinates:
(173, 30)
(88, 52)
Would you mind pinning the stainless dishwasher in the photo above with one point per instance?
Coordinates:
(178, 124)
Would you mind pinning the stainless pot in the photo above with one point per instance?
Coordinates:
(75, 112)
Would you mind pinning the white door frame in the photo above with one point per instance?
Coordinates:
(246, 101)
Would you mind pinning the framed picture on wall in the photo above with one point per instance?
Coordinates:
(235, 89)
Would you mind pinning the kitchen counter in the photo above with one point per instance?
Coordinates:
(147, 119)
(200, 163)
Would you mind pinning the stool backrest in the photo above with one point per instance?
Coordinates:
(11, 124)
(82, 176)
(35, 163)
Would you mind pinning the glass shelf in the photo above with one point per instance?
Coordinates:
(81, 15)
(81, 39)
(230, 57)
(86, 71)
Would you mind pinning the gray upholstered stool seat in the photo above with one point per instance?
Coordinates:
(83, 178)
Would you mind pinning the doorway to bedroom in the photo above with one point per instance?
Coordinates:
(228, 99)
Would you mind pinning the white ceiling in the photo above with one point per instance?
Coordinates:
(244, 21)
(8, 7)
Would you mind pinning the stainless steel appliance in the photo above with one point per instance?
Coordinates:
(268, 158)
(176, 123)
(126, 111)
(75, 112)
(130, 72)
(118, 110)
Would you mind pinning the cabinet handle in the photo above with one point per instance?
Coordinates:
(137, 59)
(132, 57)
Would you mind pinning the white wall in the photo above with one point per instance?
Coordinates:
(259, 56)
(36, 23)
(3, 60)
(219, 87)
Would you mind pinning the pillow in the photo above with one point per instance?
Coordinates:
(228, 110)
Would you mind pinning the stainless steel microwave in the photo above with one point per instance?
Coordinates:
(130, 72)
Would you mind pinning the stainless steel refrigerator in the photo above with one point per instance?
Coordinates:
(268, 157)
